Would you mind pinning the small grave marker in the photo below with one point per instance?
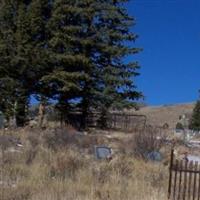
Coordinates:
(102, 152)
(154, 156)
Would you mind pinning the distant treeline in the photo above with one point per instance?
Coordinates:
(73, 52)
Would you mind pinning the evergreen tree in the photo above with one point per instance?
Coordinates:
(39, 15)
(67, 45)
(179, 126)
(195, 120)
(87, 48)
(21, 62)
(66, 50)
(7, 97)
(15, 47)
(23, 50)
(116, 77)
(8, 81)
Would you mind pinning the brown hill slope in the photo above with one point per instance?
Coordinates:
(159, 115)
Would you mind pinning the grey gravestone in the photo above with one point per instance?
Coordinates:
(102, 152)
(154, 156)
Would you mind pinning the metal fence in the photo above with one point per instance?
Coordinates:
(126, 122)
(117, 121)
(184, 179)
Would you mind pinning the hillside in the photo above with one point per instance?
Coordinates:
(159, 115)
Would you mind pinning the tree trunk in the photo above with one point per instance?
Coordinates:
(85, 113)
(41, 114)
(21, 113)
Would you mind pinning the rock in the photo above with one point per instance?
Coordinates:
(33, 123)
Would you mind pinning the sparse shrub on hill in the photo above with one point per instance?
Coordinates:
(179, 126)
(195, 120)
(63, 138)
(66, 164)
(58, 138)
(149, 140)
(165, 126)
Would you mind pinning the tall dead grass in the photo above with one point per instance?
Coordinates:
(66, 172)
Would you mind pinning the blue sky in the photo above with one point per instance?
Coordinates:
(169, 33)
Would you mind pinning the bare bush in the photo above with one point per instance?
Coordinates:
(19, 193)
(123, 166)
(64, 138)
(149, 140)
(66, 164)
(58, 138)
(7, 141)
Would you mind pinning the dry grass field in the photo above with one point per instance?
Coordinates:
(159, 115)
(57, 165)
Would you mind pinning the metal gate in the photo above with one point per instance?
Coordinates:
(184, 179)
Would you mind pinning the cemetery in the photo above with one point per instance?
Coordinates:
(98, 157)
(89, 110)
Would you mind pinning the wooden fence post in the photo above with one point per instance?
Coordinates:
(170, 173)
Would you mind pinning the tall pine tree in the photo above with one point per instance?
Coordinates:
(23, 55)
(8, 79)
(67, 45)
(66, 50)
(88, 46)
(117, 75)
(195, 120)
(111, 82)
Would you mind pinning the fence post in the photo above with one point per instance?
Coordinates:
(195, 178)
(170, 173)
(185, 179)
(199, 183)
(175, 179)
(180, 179)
